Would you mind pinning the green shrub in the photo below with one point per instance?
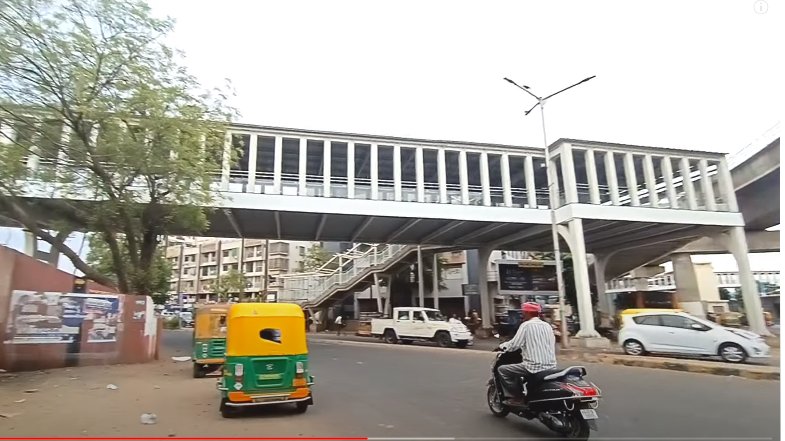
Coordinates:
(172, 323)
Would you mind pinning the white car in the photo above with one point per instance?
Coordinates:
(681, 333)
(424, 324)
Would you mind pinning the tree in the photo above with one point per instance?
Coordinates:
(315, 258)
(100, 258)
(118, 134)
(233, 282)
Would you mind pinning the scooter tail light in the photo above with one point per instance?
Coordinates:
(588, 391)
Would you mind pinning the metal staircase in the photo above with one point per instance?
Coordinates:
(341, 273)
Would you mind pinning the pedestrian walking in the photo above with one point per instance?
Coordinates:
(339, 324)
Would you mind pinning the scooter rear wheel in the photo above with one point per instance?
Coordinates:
(577, 427)
(498, 409)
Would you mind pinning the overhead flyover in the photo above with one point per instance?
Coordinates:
(610, 199)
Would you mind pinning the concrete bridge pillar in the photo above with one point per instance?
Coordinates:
(52, 257)
(377, 292)
(687, 286)
(486, 302)
(736, 242)
(588, 335)
(604, 305)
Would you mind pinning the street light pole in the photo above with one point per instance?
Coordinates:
(553, 198)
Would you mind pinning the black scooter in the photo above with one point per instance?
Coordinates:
(560, 398)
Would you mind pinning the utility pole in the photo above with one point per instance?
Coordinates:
(265, 282)
(551, 176)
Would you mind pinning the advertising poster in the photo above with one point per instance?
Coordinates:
(53, 317)
(516, 279)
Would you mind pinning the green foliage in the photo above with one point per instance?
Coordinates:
(315, 258)
(172, 323)
(233, 282)
(99, 104)
(156, 277)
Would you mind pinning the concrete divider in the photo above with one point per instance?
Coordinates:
(752, 372)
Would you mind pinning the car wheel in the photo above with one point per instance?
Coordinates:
(443, 339)
(634, 347)
(390, 337)
(732, 353)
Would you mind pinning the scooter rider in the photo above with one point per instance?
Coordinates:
(537, 344)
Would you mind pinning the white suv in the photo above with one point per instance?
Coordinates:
(680, 333)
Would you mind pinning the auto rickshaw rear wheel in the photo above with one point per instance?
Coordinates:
(302, 406)
(228, 411)
(199, 371)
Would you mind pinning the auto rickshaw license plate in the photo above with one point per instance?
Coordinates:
(265, 399)
(270, 377)
(589, 414)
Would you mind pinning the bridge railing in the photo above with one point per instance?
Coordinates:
(668, 281)
(342, 271)
(340, 165)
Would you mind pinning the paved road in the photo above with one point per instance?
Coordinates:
(400, 391)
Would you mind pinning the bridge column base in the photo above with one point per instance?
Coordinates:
(591, 342)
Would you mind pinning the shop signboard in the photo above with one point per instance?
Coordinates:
(527, 278)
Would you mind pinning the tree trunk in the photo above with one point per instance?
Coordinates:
(21, 216)
(117, 258)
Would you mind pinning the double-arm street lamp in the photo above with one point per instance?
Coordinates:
(553, 198)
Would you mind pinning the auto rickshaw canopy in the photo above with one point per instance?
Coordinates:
(209, 319)
(262, 329)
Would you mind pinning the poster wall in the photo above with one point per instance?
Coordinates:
(54, 317)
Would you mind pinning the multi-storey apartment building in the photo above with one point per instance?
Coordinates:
(197, 263)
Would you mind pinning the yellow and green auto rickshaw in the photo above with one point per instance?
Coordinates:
(266, 358)
(209, 339)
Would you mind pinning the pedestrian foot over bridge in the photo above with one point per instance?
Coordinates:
(626, 204)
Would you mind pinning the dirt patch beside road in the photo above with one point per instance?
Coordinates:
(76, 402)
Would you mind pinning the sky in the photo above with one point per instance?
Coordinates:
(699, 75)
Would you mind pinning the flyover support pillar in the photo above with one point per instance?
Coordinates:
(435, 281)
(736, 242)
(486, 302)
(52, 257)
(377, 292)
(588, 335)
(388, 302)
(604, 305)
(420, 279)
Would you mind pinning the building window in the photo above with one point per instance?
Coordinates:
(209, 257)
(279, 248)
(279, 264)
(209, 270)
(230, 254)
(228, 267)
(253, 267)
(254, 251)
(301, 250)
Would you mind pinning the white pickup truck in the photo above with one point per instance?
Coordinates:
(409, 324)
